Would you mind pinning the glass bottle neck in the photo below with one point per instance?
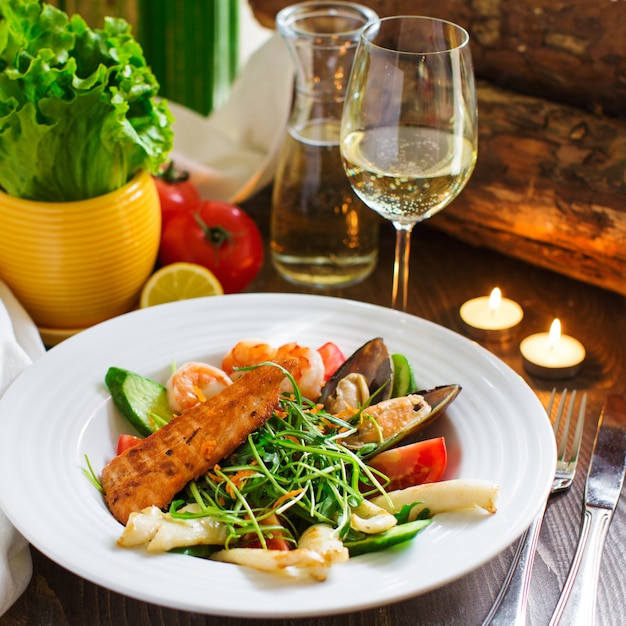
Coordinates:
(316, 118)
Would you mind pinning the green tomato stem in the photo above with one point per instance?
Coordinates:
(217, 236)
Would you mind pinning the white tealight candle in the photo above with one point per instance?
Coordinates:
(552, 355)
(491, 316)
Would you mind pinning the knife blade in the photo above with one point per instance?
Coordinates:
(605, 477)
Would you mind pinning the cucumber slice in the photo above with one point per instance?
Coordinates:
(382, 541)
(403, 376)
(138, 399)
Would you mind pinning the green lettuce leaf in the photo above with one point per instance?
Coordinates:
(79, 116)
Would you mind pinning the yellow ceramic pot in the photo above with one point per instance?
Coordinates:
(74, 264)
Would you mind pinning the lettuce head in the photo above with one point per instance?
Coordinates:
(79, 116)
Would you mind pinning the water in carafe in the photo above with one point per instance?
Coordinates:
(321, 234)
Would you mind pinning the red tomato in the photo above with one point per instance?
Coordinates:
(413, 464)
(126, 441)
(219, 236)
(176, 193)
(332, 356)
(275, 539)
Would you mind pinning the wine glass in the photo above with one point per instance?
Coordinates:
(409, 128)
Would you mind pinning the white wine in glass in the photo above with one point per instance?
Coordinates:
(409, 129)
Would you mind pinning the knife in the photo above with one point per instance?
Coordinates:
(605, 477)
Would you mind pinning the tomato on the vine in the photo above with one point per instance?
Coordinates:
(176, 193)
(221, 237)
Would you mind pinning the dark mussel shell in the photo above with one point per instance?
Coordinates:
(373, 361)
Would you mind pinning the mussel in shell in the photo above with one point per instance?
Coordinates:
(366, 378)
(400, 419)
(373, 361)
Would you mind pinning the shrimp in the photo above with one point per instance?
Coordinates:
(309, 373)
(193, 383)
(246, 353)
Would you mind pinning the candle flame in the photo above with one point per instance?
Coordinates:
(495, 299)
(555, 333)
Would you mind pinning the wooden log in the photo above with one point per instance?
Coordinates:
(549, 187)
(572, 52)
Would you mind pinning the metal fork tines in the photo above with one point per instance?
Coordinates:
(566, 463)
(509, 607)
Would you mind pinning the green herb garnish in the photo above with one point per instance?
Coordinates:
(294, 466)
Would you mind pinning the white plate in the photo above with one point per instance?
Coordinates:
(59, 410)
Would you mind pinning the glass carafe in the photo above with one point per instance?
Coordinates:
(321, 234)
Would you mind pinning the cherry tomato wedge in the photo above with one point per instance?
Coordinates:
(332, 357)
(413, 464)
(126, 441)
(274, 540)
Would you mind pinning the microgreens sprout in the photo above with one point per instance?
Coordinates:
(91, 476)
(157, 420)
(292, 472)
(295, 466)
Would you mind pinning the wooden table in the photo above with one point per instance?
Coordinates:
(444, 273)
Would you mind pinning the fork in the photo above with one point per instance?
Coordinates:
(509, 608)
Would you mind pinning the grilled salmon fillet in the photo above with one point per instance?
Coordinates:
(157, 468)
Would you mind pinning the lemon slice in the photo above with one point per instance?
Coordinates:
(179, 281)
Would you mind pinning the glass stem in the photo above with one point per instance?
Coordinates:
(401, 266)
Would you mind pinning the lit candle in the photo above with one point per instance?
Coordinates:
(552, 355)
(492, 316)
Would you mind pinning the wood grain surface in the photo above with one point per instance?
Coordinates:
(572, 52)
(548, 187)
(445, 273)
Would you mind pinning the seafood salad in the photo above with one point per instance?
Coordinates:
(287, 459)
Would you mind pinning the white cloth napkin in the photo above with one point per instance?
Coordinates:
(232, 153)
(20, 345)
